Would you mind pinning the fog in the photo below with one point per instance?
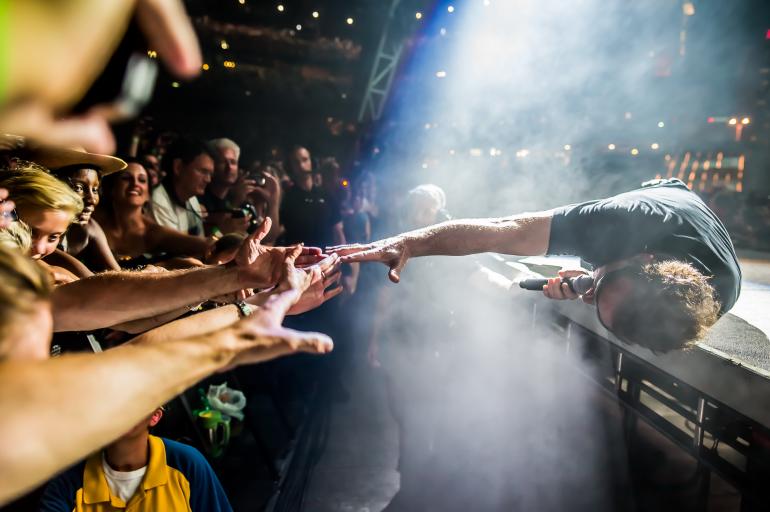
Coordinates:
(510, 107)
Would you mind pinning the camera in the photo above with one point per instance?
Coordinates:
(247, 209)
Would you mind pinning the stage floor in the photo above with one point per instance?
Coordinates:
(743, 334)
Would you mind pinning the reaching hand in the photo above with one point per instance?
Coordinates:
(324, 278)
(393, 252)
(260, 266)
(260, 337)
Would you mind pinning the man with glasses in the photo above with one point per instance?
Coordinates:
(665, 267)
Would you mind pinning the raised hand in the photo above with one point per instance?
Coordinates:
(260, 266)
(261, 337)
(324, 280)
(393, 252)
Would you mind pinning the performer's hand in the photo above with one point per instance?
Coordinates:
(393, 252)
(557, 289)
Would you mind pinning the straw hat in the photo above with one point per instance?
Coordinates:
(56, 158)
(52, 157)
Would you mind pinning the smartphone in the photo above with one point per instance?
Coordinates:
(135, 91)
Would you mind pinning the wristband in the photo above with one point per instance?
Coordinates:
(243, 309)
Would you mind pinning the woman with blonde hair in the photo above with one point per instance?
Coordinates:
(44, 203)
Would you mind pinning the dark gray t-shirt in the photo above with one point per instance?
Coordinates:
(665, 219)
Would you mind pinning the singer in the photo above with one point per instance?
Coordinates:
(664, 266)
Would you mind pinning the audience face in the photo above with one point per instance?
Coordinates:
(191, 179)
(226, 170)
(300, 161)
(86, 183)
(47, 228)
(421, 211)
(132, 186)
(152, 166)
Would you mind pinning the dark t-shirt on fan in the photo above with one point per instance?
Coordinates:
(309, 217)
(665, 219)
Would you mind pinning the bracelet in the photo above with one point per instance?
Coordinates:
(243, 309)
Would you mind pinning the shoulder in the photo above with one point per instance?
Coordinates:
(160, 196)
(61, 491)
(185, 458)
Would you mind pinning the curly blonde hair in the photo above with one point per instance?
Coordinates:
(671, 307)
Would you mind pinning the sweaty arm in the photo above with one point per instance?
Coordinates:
(525, 234)
(113, 298)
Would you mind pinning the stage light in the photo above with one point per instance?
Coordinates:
(486, 3)
(688, 9)
(418, 15)
(654, 145)
(567, 147)
(229, 64)
(440, 74)
(661, 124)
(732, 122)
(611, 147)
(315, 14)
(152, 54)
(522, 153)
(451, 8)
(634, 151)
(242, 2)
(224, 45)
(745, 120)
(205, 67)
(710, 120)
(442, 31)
(345, 183)
(424, 165)
(627, 115)
(427, 126)
(349, 21)
(175, 84)
(299, 27)
(475, 151)
(280, 8)
(452, 152)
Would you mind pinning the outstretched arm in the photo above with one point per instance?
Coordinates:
(113, 298)
(107, 393)
(525, 234)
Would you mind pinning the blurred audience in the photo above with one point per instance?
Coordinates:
(135, 238)
(189, 167)
(308, 213)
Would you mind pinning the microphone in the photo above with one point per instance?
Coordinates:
(579, 285)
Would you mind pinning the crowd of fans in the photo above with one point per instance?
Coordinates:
(175, 264)
(80, 216)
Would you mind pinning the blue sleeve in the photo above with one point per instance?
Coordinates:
(59, 495)
(206, 492)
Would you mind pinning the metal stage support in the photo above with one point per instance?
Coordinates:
(722, 440)
(386, 60)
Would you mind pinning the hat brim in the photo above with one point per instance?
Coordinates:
(56, 158)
